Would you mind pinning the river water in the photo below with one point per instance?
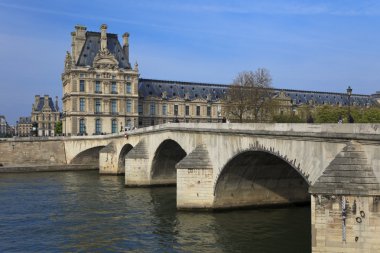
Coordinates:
(86, 212)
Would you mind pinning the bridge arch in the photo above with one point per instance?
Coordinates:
(259, 178)
(124, 151)
(88, 157)
(167, 155)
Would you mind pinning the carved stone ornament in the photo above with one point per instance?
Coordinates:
(105, 60)
(68, 61)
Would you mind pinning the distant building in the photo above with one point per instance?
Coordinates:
(170, 101)
(3, 126)
(45, 114)
(24, 126)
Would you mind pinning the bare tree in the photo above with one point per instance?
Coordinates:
(249, 98)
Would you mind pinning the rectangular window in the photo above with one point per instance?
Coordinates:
(98, 126)
(128, 88)
(198, 110)
(82, 104)
(81, 85)
(82, 126)
(113, 106)
(129, 105)
(114, 126)
(98, 87)
(187, 110)
(209, 111)
(164, 109)
(152, 108)
(141, 109)
(113, 88)
(98, 105)
(175, 110)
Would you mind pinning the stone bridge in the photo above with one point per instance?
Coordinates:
(335, 166)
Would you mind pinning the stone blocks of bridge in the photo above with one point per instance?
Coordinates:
(195, 188)
(108, 160)
(345, 205)
(137, 166)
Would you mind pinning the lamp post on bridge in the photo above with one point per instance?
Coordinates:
(349, 93)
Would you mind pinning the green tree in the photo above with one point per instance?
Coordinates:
(58, 128)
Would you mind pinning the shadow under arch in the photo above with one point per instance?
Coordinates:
(88, 157)
(167, 155)
(121, 161)
(259, 178)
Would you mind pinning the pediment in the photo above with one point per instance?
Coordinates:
(105, 60)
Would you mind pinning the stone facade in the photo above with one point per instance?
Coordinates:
(170, 101)
(24, 126)
(3, 126)
(100, 93)
(45, 114)
(163, 101)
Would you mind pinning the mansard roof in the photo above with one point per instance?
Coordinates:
(40, 105)
(152, 87)
(91, 48)
(25, 120)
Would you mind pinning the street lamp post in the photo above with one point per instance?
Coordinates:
(349, 93)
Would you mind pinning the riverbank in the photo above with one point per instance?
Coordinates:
(44, 168)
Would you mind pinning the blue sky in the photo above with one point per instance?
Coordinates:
(310, 45)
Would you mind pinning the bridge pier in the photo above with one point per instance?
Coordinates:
(108, 160)
(195, 188)
(345, 205)
(137, 166)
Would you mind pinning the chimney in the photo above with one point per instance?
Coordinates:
(36, 101)
(46, 100)
(103, 37)
(56, 104)
(126, 47)
(78, 39)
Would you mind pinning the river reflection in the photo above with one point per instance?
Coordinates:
(82, 211)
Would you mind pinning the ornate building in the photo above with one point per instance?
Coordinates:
(45, 114)
(100, 93)
(24, 126)
(170, 101)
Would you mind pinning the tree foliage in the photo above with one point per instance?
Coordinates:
(249, 98)
(331, 114)
(286, 118)
(58, 128)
